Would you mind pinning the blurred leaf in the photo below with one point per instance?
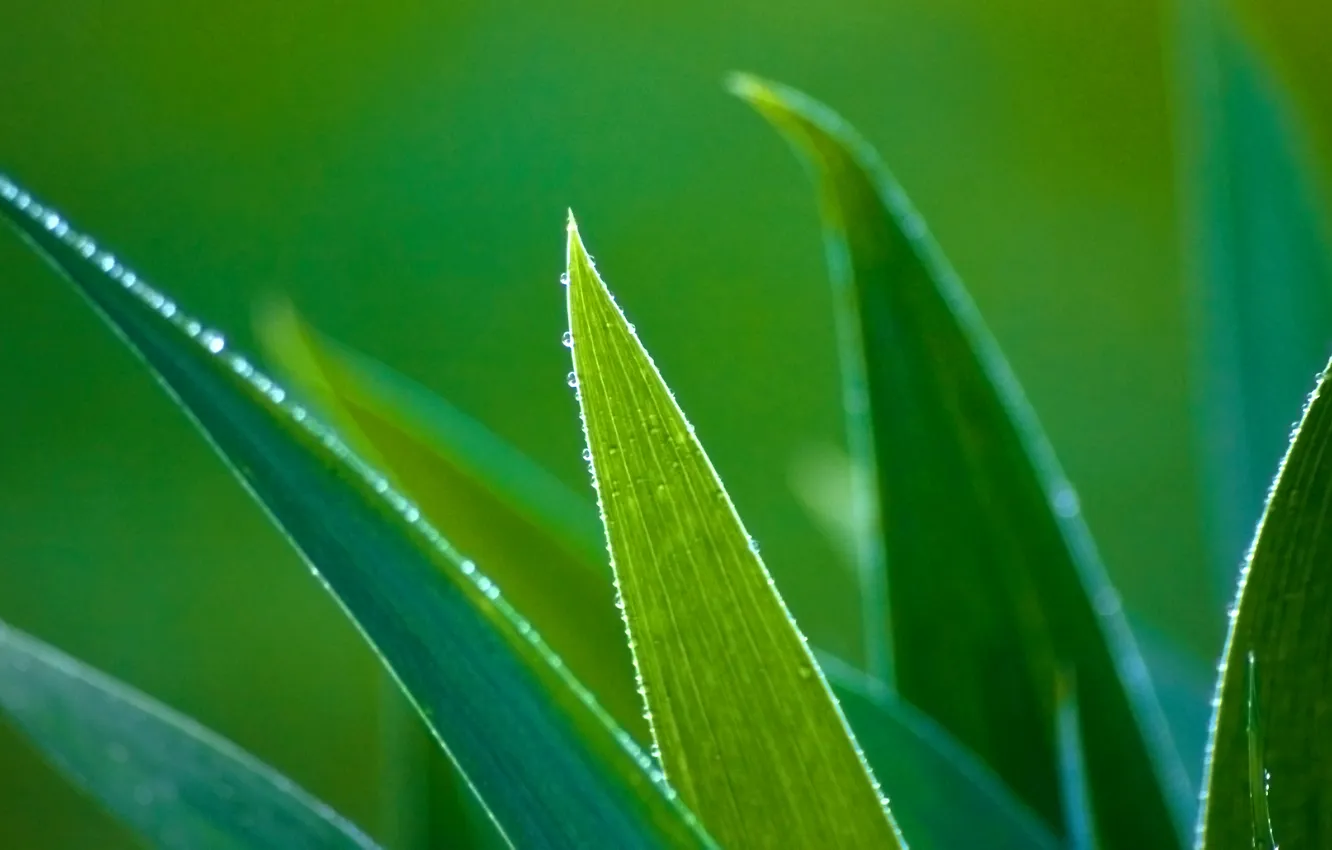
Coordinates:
(1261, 268)
(994, 581)
(941, 795)
(550, 765)
(747, 728)
(929, 776)
(1283, 619)
(173, 781)
(541, 546)
(1079, 819)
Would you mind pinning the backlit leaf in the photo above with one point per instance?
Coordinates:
(747, 728)
(1275, 691)
(994, 583)
(550, 765)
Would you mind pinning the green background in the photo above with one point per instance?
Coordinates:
(401, 171)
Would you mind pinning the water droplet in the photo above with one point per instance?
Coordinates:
(51, 222)
(106, 262)
(564, 280)
(213, 341)
(753, 545)
(572, 380)
(587, 454)
(806, 672)
(23, 200)
(567, 339)
(1066, 502)
(411, 514)
(468, 567)
(193, 328)
(8, 190)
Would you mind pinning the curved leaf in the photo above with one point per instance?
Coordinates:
(1283, 621)
(549, 764)
(995, 585)
(744, 721)
(173, 781)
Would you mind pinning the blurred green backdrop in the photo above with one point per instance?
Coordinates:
(401, 171)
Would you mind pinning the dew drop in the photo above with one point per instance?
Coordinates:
(106, 262)
(213, 341)
(587, 454)
(753, 545)
(567, 339)
(564, 280)
(8, 190)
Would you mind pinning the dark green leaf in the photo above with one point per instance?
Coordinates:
(929, 777)
(550, 765)
(746, 725)
(1283, 621)
(173, 781)
(1260, 266)
(994, 581)
(942, 797)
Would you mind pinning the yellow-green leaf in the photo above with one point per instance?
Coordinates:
(1269, 774)
(747, 729)
(542, 547)
(928, 776)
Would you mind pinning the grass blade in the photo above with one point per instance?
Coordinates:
(537, 540)
(551, 767)
(176, 783)
(1282, 621)
(746, 726)
(1079, 819)
(929, 777)
(1261, 268)
(994, 582)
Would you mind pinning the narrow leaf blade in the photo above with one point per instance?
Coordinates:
(1281, 621)
(928, 776)
(174, 782)
(507, 711)
(994, 583)
(1260, 268)
(746, 726)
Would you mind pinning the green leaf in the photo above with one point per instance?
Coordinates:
(929, 777)
(1079, 819)
(995, 584)
(746, 726)
(173, 781)
(549, 764)
(537, 541)
(941, 795)
(1259, 263)
(1263, 839)
(1282, 622)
